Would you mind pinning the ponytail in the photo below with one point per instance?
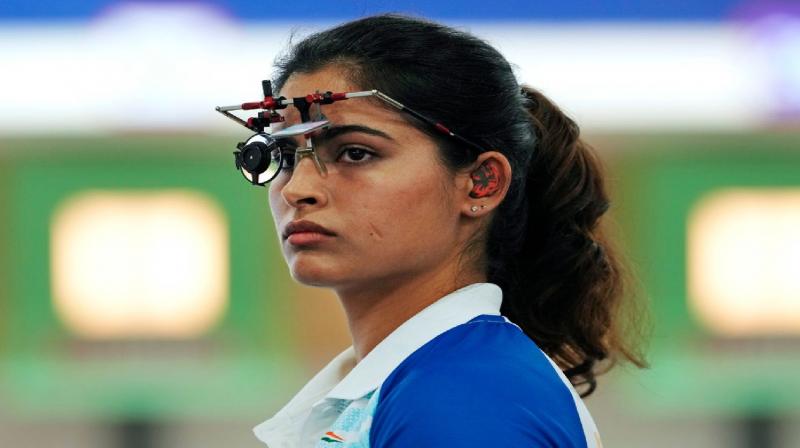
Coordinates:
(565, 287)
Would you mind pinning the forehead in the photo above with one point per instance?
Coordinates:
(330, 76)
(354, 110)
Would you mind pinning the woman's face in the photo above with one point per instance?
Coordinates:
(391, 204)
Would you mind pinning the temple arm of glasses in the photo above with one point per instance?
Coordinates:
(435, 124)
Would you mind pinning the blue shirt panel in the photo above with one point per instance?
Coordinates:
(480, 384)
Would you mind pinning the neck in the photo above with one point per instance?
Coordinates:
(375, 310)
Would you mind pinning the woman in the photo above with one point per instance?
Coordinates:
(478, 288)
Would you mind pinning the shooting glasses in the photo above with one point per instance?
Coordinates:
(262, 156)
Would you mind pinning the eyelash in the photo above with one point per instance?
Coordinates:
(365, 151)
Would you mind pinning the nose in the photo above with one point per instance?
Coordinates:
(304, 187)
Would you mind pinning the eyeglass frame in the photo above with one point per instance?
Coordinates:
(308, 127)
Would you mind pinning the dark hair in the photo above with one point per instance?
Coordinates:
(562, 282)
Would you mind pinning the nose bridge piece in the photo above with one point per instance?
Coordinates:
(302, 189)
(309, 152)
(299, 189)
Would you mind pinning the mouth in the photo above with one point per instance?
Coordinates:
(307, 238)
(306, 231)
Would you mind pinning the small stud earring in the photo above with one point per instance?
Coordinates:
(474, 208)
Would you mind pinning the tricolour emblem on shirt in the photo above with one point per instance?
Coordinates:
(331, 436)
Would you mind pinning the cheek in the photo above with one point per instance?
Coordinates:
(406, 213)
(276, 202)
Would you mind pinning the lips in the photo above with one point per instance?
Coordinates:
(305, 226)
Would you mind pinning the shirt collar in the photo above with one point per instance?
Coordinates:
(344, 379)
(454, 309)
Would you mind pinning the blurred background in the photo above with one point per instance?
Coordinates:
(143, 298)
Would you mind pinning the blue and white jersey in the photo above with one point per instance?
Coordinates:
(455, 374)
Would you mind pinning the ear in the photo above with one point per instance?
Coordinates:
(484, 183)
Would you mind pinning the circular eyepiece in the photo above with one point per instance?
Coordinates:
(259, 158)
(256, 157)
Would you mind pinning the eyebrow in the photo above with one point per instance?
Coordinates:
(331, 132)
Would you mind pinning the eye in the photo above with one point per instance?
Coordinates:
(355, 154)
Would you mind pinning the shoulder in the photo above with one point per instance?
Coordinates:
(483, 383)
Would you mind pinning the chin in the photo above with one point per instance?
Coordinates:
(310, 273)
